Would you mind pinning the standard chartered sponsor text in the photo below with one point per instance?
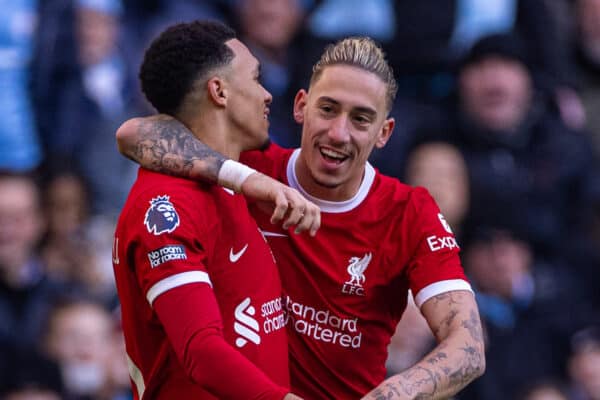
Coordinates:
(323, 325)
(274, 318)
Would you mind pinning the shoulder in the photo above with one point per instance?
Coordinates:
(270, 160)
(155, 193)
(394, 192)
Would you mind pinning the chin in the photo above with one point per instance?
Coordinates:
(327, 181)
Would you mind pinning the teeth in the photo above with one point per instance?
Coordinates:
(333, 154)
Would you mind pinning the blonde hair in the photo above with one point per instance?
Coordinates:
(361, 52)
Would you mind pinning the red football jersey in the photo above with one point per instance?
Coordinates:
(347, 287)
(173, 234)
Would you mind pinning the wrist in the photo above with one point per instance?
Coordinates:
(233, 174)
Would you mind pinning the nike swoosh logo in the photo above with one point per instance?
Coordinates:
(233, 257)
(267, 233)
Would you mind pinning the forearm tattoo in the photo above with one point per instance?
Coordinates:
(167, 146)
(449, 367)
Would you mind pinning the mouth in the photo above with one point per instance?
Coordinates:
(266, 113)
(332, 156)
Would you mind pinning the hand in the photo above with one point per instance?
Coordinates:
(283, 200)
(291, 396)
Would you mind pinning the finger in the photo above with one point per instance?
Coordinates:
(304, 224)
(311, 219)
(296, 207)
(316, 221)
(281, 208)
(294, 217)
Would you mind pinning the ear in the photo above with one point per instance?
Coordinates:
(299, 105)
(217, 91)
(385, 133)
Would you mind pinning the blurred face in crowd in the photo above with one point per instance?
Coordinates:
(20, 222)
(496, 92)
(270, 24)
(546, 393)
(498, 265)
(344, 118)
(584, 369)
(97, 34)
(588, 15)
(441, 169)
(66, 205)
(80, 339)
(33, 394)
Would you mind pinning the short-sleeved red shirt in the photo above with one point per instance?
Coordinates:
(347, 287)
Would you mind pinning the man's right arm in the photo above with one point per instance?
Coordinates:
(161, 143)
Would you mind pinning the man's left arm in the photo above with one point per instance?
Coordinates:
(458, 358)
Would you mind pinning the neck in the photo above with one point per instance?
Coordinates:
(212, 128)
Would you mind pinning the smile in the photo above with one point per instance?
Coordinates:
(332, 155)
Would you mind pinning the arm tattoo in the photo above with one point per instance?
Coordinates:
(456, 361)
(469, 366)
(167, 146)
(415, 379)
(474, 327)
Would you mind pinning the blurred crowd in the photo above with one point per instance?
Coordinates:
(498, 115)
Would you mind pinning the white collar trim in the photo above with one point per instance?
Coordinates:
(326, 205)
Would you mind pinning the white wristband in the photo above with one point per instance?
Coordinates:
(233, 174)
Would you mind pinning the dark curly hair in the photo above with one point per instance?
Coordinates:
(179, 56)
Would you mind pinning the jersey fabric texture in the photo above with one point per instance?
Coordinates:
(178, 246)
(347, 287)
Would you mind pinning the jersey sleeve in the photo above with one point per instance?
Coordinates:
(171, 245)
(434, 266)
(191, 319)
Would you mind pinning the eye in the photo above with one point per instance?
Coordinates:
(326, 108)
(362, 119)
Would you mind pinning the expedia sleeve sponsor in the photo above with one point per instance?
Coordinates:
(170, 252)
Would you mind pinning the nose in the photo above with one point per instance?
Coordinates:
(268, 97)
(338, 130)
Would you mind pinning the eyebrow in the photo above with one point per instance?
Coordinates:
(366, 110)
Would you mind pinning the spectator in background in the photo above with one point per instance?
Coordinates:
(545, 390)
(19, 146)
(32, 394)
(97, 90)
(587, 47)
(66, 205)
(76, 248)
(431, 39)
(584, 364)
(79, 337)
(527, 169)
(25, 289)
(528, 307)
(440, 168)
